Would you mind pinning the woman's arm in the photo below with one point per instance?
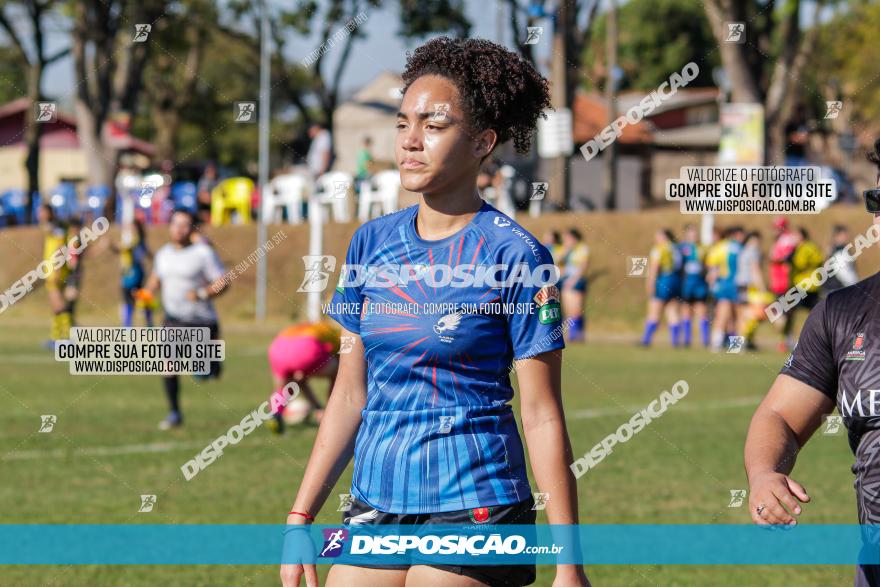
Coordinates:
(333, 449)
(546, 436)
(334, 445)
(787, 417)
(653, 270)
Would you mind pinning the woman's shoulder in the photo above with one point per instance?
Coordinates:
(385, 224)
(509, 239)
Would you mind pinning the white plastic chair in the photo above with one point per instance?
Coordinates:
(332, 191)
(386, 194)
(285, 191)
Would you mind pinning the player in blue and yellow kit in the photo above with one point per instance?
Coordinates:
(440, 299)
(54, 238)
(722, 262)
(694, 289)
(663, 286)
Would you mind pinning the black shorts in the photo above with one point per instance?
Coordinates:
(171, 321)
(493, 575)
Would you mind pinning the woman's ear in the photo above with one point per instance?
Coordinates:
(484, 142)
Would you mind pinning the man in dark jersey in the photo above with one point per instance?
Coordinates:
(833, 363)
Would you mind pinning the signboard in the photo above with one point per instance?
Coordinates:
(554, 134)
(742, 134)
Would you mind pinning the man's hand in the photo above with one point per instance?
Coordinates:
(298, 547)
(771, 491)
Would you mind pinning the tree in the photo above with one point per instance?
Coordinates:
(581, 20)
(32, 52)
(13, 74)
(171, 74)
(768, 67)
(656, 38)
(109, 65)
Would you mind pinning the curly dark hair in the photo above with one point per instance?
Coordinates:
(874, 156)
(499, 89)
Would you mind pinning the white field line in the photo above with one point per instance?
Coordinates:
(106, 451)
(738, 402)
(160, 447)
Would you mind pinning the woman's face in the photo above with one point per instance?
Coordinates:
(436, 151)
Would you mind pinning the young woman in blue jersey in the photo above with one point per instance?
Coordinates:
(694, 289)
(663, 286)
(422, 400)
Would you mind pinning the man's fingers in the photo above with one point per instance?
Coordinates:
(790, 503)
(311, 572)
(782, 515)
(797, 489)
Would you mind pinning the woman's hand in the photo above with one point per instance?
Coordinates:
(769, 492)
(298, 547)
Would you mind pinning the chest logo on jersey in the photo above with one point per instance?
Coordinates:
(447, 323)
(857, 352)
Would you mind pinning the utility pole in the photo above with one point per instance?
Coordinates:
(559, 188)
(260, 305)
(610, 153)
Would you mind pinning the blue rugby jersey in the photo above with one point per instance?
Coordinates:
(438, 433)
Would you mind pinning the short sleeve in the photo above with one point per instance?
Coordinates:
(159, 263)
(812, 361)
(214, 269)
(345, 307)
(535, 325)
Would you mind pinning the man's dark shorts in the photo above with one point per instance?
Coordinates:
(172, 322)
(493, 575)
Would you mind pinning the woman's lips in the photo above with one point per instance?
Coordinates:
(411, 164)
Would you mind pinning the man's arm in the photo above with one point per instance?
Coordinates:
(153, 283)
(787, 417)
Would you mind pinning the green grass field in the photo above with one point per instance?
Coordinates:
(105, 451)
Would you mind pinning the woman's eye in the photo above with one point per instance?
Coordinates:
(433, 127)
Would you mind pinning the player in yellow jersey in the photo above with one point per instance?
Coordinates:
(722, 265)
(55, 237)
(663, 286)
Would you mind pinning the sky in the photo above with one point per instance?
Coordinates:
(381, 49)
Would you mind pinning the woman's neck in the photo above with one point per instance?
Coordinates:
(442, 215)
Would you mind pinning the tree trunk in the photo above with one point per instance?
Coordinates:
(167, 124)
(32, 133)
(100, 159)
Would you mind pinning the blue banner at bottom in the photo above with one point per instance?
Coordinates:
(265, 544)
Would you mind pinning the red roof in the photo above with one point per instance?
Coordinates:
(590, 116)
(60, 134)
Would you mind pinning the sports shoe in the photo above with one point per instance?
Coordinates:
(173, 420)
(276, 423)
